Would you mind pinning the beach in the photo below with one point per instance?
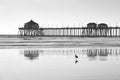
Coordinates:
(10, 41)
(53, 58)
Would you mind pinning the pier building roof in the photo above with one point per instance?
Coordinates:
(102, 25)
(91, 25)
(31, 25)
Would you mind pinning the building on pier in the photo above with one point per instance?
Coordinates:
(32, 28)
(96, 30)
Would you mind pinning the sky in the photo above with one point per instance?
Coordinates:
(14, 13)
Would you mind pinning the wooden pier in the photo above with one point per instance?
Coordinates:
(32, 29)
(71, 32)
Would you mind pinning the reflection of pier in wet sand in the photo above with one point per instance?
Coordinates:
(89, 53)
(31, 54)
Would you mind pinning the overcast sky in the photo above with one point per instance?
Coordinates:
(14, 13)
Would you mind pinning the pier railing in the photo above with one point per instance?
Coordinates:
(72, 32)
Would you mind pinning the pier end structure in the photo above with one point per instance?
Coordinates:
(30, 28)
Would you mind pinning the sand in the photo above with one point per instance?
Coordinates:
(10, 41)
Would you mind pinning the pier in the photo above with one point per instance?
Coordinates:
(91, 30)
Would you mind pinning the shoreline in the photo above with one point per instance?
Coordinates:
(15, 41)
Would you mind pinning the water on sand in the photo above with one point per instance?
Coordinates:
(55, 58)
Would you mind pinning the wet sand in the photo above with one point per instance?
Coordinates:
(10, 41)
